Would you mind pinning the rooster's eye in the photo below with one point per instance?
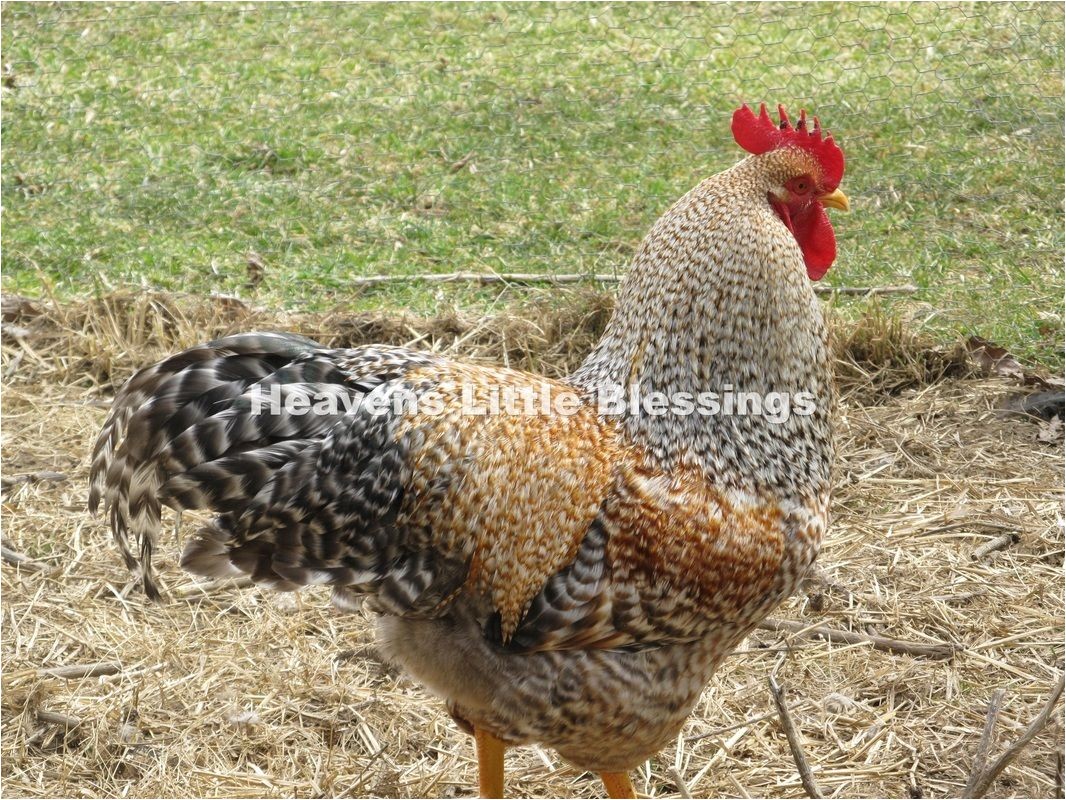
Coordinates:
(800, 186)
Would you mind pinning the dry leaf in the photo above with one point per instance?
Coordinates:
(1050, 431)
(993, 359)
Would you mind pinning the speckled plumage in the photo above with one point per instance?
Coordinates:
(568, 580)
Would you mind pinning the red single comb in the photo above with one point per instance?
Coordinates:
(759, 134)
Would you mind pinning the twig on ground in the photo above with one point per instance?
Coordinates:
(992, 545)
(977, 787)
(9, 481)
(806, 777)
(69, 725)
(58, 718)
(981, 756)
(737, 726)
(937, 650)
(1060, 771)
(484, 278)
(75, 671)
(198, 590)
(679, 782)
(16, 559)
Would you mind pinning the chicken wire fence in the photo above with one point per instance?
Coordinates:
(180, 146)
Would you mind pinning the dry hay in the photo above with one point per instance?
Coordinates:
(241, 693)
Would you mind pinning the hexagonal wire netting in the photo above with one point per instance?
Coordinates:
(159, 145)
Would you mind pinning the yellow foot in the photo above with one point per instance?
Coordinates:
(617, 784)
(489, 763)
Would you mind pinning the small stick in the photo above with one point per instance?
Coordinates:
(746, 723)
(992, 545)
(679, 782)
(959, 598)
(31, 477)
(937, 650)
(68, 723)
(75, 671)
(198, 590)
(981, 756)
(793, 741)
(1060, 771)
(865, 291)
(485, 278)
(21, 560)
(982, 784)
(57, 718)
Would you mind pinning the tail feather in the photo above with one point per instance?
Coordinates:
(226, 483)
(186, 414)
(193, 410)
(301, 498)
(205, 553)
(276, 348)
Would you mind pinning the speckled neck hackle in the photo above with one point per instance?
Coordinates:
(708, 306)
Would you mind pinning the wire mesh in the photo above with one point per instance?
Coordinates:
(161, 145)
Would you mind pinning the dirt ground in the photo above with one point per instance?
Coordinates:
(235, 692)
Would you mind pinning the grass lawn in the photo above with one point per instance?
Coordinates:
(160, 146)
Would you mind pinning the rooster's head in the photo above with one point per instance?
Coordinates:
(807, 172)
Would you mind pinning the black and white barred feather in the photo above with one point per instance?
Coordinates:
(301, 497)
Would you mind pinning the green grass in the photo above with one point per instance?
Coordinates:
(158, 146)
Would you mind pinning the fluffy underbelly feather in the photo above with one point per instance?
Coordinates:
(602, 710)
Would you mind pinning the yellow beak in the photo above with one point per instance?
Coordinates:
(836, 199)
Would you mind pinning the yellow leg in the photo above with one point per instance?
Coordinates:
(489, 763)
(617, 784)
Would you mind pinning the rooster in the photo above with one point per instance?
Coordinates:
(570, 578)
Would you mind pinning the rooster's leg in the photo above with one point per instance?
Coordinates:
(489, 763)
(617, 784)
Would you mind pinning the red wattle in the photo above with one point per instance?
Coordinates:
(814, 233)
(783, 212)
